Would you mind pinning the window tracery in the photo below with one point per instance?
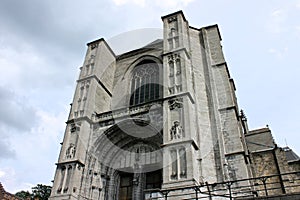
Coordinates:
(145, 85)
(175, 68)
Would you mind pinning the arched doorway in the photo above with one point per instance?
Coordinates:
(131, 163)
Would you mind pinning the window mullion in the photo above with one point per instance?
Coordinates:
(145, 84)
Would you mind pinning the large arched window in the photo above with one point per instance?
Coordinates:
(145, 85)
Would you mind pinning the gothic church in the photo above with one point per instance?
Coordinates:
(160, 122)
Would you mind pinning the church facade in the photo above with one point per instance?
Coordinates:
(155, 123)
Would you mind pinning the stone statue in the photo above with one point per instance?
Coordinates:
(176, 130)
(70, 153)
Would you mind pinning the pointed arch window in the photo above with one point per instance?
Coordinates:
(145, 85)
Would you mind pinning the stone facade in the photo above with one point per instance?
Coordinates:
(156, 122)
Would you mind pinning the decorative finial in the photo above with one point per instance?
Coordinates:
(243, 116)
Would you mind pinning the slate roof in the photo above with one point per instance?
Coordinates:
(260, 140)
(291, 156)
(156, 44)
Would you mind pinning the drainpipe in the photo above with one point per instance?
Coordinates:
(278, 169)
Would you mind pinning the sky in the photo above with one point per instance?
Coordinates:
(43, 44)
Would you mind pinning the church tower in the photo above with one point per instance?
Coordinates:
(153, 123)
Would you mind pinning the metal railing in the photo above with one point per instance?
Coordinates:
(264, 186)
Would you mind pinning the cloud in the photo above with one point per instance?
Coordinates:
(16, 117)
(11, 181)
(123, 2)
(6, 150)
(50, 128)
(2, 173)
(280, 54)
(283, 19)
(171, 4)
(15, 112)
(45, 136)
(53, 26)
(277, 13)
(25, 67)
(39, 147)
(277, 21)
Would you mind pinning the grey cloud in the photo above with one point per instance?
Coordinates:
(55, 31)
(5, 150)
(61, 28)
(52, 24)
(15, 112)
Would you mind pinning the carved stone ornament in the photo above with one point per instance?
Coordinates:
(175, 103)
(70, 152)
(170, 58)
(74, 128)
(176, 131)
(243, 116)
(172, 91)
(173, 57)
(179, 88)
(94, 45)
(87, 83)
(176, 56)
(172, 19)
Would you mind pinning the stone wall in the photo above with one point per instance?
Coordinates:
(267, 160)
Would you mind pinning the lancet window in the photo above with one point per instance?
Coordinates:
(179, 165)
